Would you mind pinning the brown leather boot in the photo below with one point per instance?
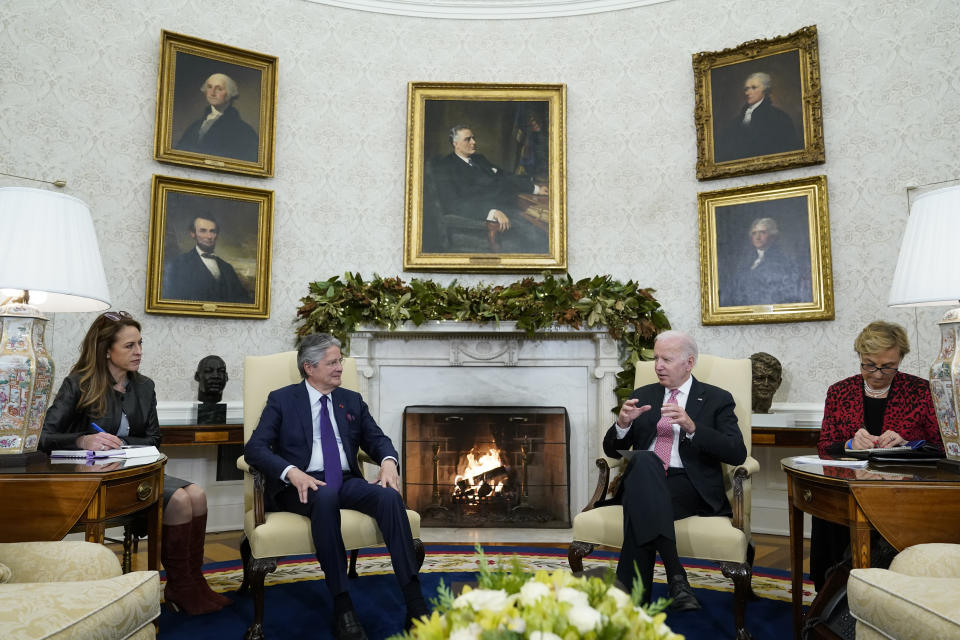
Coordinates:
(198, 533)
(183, 590)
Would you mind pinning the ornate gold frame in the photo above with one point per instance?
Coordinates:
(804, 42)
(552, 216)
(761, 197)
(171, 239)
(252, 63)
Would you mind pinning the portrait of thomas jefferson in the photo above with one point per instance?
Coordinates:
(763, 259)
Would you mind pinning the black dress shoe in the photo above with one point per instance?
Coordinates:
(682, 595)
(416, 609)
(348, 627)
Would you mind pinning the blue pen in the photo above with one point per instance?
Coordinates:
(97, 427)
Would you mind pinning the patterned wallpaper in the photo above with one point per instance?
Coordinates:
(79, 96)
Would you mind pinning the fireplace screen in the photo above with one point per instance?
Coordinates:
(487, 466)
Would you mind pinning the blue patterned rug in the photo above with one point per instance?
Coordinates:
(297, 604)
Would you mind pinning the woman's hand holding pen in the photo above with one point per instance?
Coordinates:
(99, 441)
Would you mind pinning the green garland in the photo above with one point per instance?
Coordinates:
(631, 314)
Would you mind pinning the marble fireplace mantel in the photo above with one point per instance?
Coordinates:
(494, 364)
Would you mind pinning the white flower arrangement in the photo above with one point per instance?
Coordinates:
(510, 603)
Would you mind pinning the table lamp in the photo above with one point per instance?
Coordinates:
(49, 261)
(928, 274)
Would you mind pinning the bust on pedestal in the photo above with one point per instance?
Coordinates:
(767, 376)
(212, 376)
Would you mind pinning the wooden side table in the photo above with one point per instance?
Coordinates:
(907, 504)
(42, 500)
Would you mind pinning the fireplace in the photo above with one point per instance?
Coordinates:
(466, 365)
(487, 466)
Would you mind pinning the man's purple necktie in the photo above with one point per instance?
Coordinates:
(332, 473)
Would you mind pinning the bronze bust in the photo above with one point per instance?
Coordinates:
(767, 376)
(212, 376)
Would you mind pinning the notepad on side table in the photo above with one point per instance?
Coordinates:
(130, 451)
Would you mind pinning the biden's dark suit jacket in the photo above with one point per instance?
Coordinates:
(717, 439)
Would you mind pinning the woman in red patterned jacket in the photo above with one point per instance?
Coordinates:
(880, 407)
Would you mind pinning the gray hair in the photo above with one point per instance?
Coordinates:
(455, 130)
(767, 223)
(312, 349)
(687, 343)
(764, 79)
(232, 90)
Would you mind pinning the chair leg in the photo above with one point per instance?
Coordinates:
(259, 568)
(578, 551)
(741, 573)
(245, 561)
(751, 554)
(419, 550)
(352, 569)
(126, 563)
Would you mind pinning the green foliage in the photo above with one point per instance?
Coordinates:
(445, 597)
(631, 314)
(509, 575)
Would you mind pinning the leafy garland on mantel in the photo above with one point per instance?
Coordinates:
(631, 314)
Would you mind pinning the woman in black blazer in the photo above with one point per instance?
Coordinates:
(105, 403)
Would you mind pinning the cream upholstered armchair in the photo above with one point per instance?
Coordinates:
(271, 535)
(72, 589)
(917, 597)
(723, 540)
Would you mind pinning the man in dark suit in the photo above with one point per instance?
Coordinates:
(470, 186)
(198, 274)
(305, 426)
(220, 131)
(760, 128)
(682, 430)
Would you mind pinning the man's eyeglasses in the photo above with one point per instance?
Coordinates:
(887, 371)
(116, 316)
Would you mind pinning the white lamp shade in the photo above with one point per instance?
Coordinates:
(48, 247)
(928, 271)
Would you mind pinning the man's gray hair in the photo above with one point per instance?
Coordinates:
(312, 349)
(764, 79)
(455, 130)
(232, 90)
(767, 223)
(687, 343)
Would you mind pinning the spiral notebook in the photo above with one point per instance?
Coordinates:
(129, 451)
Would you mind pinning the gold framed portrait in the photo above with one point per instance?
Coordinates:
(216, 106)
(758, 106)
(209, 249)
(486, 177)
(765, 253)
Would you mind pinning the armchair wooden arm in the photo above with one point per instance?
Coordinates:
(741, 475)
(259, 485)
(603, 481)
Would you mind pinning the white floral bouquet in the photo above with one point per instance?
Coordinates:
(510, 603)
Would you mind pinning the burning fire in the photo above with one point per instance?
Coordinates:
(481, 477)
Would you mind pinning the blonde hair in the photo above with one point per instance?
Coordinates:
(879, 336)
